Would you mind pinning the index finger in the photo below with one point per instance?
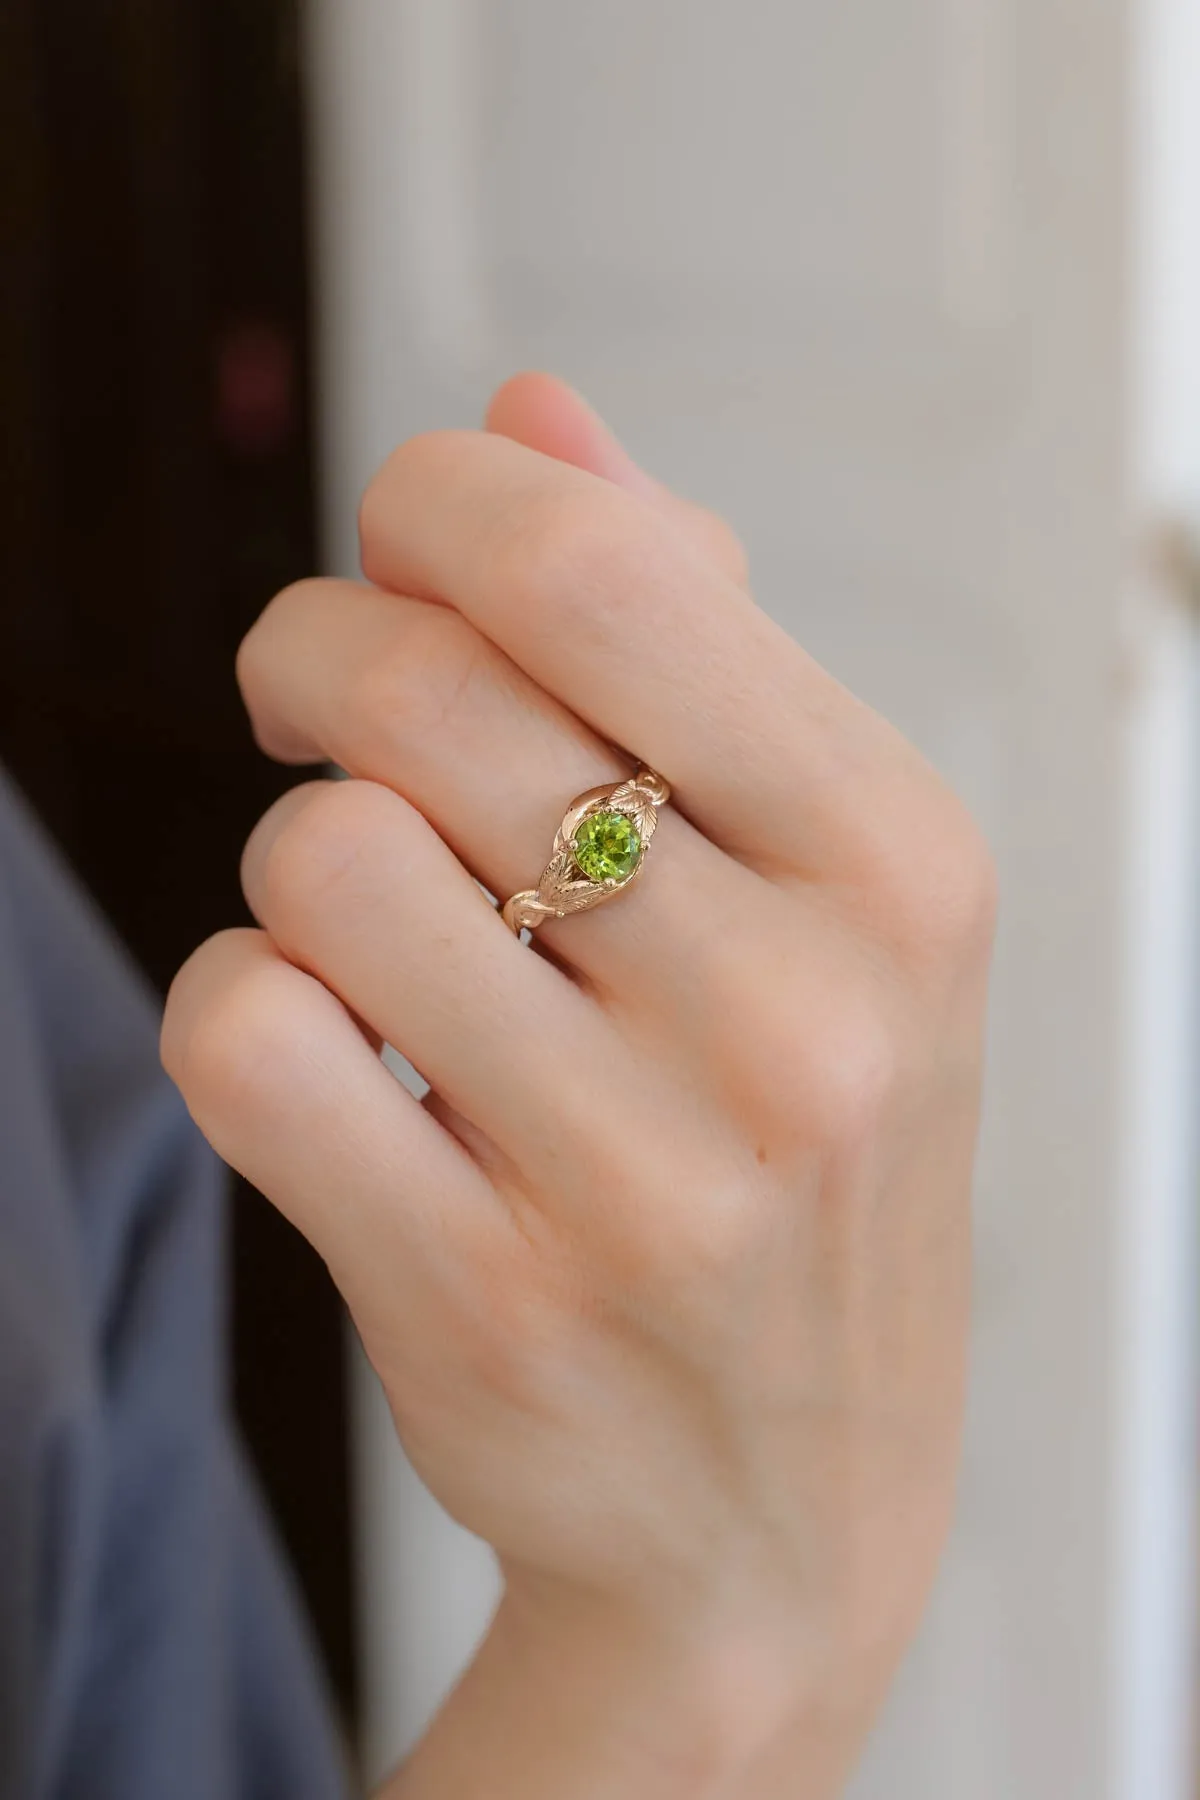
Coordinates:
(587, 588)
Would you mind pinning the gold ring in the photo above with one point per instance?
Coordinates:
(599, 851)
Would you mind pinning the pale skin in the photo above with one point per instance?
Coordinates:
(666, 1281)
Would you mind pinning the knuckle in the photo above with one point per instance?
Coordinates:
(726, 1228)
(225, 1051)
(568, 546)
(846, 1074)
(251, 663)
(971, 888)
(256, 653)
(688, 1240)
(315, 852)
(419, 689)
(827, 1051)
(513, 1347)
(373, 509)
(259, 667)
(428, 454)
(946, 905)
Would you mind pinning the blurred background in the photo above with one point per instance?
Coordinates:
(910, 289)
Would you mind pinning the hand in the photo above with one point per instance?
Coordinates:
(666, 1280)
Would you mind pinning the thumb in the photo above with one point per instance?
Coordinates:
(545, 414)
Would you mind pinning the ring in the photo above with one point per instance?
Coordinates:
(599, 851)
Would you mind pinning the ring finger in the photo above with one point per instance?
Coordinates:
(407, 693)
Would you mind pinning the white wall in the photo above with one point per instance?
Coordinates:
(908, 288)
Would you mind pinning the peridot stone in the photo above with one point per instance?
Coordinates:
(608, 846)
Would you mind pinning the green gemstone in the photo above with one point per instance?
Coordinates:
(608, 847)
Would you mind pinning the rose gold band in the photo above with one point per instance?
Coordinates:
(599, 851)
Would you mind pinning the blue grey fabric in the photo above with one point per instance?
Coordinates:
(150, 1644)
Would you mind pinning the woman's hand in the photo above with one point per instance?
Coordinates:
(666, 1281)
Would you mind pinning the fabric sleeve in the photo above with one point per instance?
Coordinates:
(150, 1640)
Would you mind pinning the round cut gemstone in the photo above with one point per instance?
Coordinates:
(608, 846)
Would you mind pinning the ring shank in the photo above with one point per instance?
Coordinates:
(525, 912)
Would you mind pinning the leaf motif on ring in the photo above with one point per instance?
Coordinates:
(631, 800)
(564, 889)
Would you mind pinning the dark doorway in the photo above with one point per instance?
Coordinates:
(157, 489)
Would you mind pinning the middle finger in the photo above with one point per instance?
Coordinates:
(409, 694)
